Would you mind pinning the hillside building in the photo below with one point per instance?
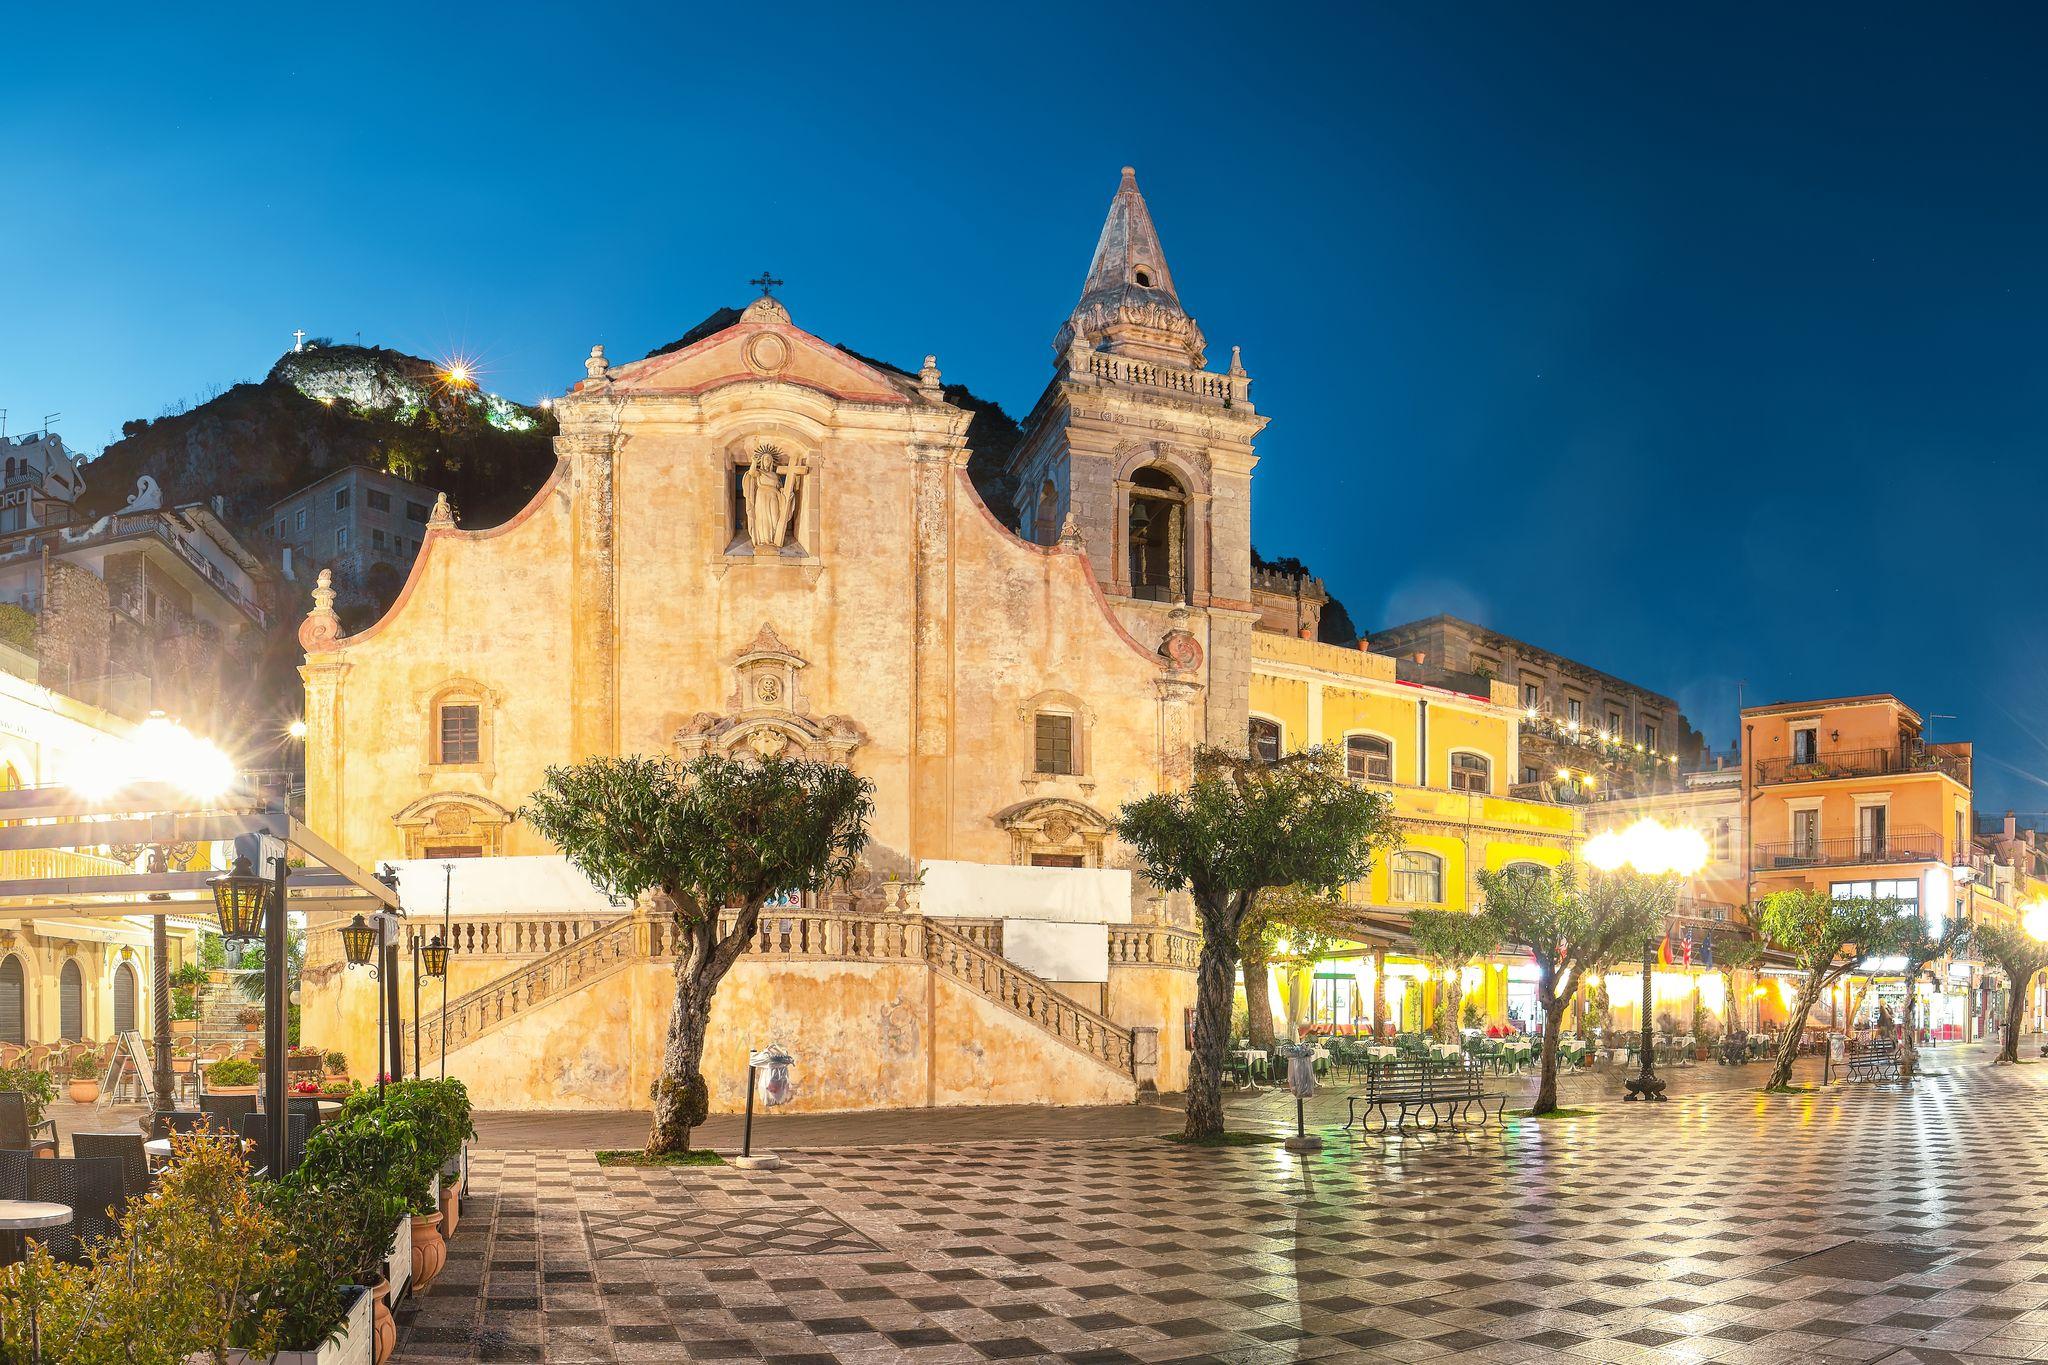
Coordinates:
(364, 525)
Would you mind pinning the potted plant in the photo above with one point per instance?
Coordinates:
(38, 1088)
(323, 1299)
(234, 1076)
(85, 1079)
(305, 1059)
(337, 1064)
(250, 1017)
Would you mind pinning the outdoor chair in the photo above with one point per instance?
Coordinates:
(14, 1173)
(180, 1121)
(17, 1134)
(256, 1129)
(125, 1148)
(91, 1187)
(227, 1111)
(307, 1106)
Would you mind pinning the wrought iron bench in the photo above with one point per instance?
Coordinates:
(1877, 1059)
(1450, 1094)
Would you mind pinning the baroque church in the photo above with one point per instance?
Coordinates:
(760, 542)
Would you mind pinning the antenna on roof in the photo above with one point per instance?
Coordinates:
(48, 418)
(3, 424)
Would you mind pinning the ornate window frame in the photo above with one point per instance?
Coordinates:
(1393, 754)
(1435, 868)
(460, 691)
(768, 712)
(453, 817)
(1056, 701)
(1451, 767)
(1057, 826)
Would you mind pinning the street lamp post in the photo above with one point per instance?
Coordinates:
(430, 959)
(1656, 857)
(250, 908)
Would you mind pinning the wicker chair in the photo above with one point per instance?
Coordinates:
(227, 1111)
(125, 1148)
(256, 1129)
(17, 1133)
(92, 1188)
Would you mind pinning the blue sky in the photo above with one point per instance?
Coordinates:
(1705, 345)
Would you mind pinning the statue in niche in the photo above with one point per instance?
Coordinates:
(770, 491)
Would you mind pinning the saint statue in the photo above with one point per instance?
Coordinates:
(770, 496)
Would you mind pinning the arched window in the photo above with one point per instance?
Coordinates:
(1046, 523)
(1524, 869)
(1265, 739)
(1418, 877)
(1368, 758)
(124, 998)
(1158, 536)
(13, 1001)
(71, 1002)
(1471, 773)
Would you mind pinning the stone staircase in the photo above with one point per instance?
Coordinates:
(967, 953)
(220, 1026)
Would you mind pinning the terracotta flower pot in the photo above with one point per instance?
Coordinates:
(84, 1092)
(383, 1327)
(451, 1209)
(429, 1250)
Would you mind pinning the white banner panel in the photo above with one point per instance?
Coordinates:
(1067, 895)
(1058, 952)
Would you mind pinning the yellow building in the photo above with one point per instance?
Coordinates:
(1444, 746)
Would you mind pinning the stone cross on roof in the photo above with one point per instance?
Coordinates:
(767, 282)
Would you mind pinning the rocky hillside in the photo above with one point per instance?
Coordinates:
(325, 407)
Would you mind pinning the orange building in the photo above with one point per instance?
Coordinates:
(1845, 795)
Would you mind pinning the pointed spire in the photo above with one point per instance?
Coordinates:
(1128, 303)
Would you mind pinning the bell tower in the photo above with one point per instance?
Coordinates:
(1147, 456)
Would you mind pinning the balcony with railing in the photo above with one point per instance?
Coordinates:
(1836, 764)
(1900, 846)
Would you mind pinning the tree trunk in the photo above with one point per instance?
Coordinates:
(1379, 996)
(1258, 997)
(2015, 1015)
(681, 1098)
(1546, 1087)
(1215, 974)
(1788, 1046)
(1909, 1050)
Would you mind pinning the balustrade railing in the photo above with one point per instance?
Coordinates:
(1199, 383)
(515, 935)
(997, 979)
(517, 992)
(1154, 945)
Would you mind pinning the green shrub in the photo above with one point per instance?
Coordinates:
(85, 1068)
(18, 626)
(338, 1236)
(188, 974)
(337, 1062)
(233, 1071)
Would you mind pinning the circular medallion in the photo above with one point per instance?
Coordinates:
(766, 353)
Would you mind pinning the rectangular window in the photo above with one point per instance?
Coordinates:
(1617, 725)
(416, 511)
(1531, 774)
(341, 499)
(299, 520)
(461, 733)
(1574, 710)
(1055, 743)
(1265, 740)
(377, 538)
(1724, 840)
(1649, 737)
(1806, 833)
(1906, 892)
(1870, 830)
(341, 539)
(1532, 695)
(380, 501)
(1806, 744)
(1056, 860)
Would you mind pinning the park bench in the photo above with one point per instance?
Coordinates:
(1875, 1060)
(1450, 1093)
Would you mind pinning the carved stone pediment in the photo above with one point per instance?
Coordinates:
(767, 713)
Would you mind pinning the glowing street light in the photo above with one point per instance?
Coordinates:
(2034, 918)
(1663, 855)
(158, 752)
(297, 729)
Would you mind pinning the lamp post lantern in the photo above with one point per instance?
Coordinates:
(428, 959)
(1656, 857)
(238, 899)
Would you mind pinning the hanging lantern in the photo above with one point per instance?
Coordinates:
(434, 957)
(358, 941)
(238, 898)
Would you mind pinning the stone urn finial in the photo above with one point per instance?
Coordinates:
(322, 627)
(443, 515)
(928, 377)
(1070, 531)
(597, 367)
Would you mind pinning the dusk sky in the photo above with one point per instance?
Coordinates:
(1700, 346)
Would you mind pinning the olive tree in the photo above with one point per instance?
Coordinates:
(1450, 941)
(1288, 924)
(1242, 826)
(1827, 936)
(2019, 955)
(1570, 930)
(713, 835)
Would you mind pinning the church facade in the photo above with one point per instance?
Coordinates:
(762, 543)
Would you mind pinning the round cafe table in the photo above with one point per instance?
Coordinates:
(26, 1215)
